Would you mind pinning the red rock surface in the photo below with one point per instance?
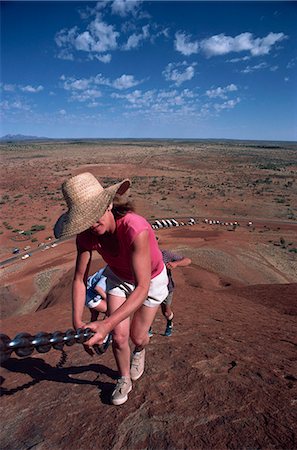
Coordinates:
(226, 378)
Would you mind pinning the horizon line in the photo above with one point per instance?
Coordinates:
(24, 137)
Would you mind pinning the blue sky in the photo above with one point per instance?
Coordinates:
(134, 69)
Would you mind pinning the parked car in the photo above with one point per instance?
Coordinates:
(158, 223)
(15, 251)
(175, 223)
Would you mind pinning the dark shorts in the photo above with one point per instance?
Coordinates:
(168, 299)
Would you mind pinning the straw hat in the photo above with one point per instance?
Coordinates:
(87, 201)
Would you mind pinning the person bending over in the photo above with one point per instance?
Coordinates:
(171, 260)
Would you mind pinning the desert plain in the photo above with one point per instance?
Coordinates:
(226, 378)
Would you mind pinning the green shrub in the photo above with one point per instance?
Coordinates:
(35, 228)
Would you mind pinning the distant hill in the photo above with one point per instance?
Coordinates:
(21, 137)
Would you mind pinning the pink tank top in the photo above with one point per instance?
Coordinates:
(128, 227)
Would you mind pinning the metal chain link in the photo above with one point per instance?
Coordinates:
(24, 344)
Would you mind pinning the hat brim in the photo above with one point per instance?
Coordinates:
(79, 219)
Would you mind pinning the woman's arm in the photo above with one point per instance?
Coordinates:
(181, 263)
(83, 261)
(141, 264)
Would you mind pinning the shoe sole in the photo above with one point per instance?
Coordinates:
(120, 401)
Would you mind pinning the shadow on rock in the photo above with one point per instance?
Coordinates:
(39, 370)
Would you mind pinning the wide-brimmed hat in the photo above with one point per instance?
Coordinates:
(87, 201)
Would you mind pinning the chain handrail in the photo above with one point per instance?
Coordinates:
(24, 344)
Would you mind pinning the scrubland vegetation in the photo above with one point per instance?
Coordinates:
(227, 178)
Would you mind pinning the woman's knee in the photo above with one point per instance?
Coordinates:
(139, 338)
(141, 323)
(120, 340)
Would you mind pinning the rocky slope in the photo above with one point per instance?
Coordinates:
(226, 378)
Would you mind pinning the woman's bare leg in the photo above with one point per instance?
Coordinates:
(142, 320)
(120, 338)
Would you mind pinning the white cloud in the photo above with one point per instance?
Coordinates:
(230, 104)
(125, 82)
(291, 63)
(72, 84)
(64, 37)
(104, 58)
(174, 102)
(84, 42)
(221, 92)
(31, 89)
(264, 45)
(183, 44)
(86, 89)
(100, 80)
(15, 105)
(28, 88)
(286, 79)
(65, 41)
(163, 101)
(62, 112)
(135, 39)
(92, 104)
(65, 54)
(221, 44)
(8, 87)
(235, 60)
(104, 36)
(250, 69)
(137, 98)
(87, 95)
(171, 72)
(98, 38)
(125, 7)
(164, 32)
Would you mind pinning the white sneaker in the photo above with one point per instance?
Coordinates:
(137, 365)
(121, 391)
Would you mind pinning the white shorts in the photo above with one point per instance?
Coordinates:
(157, 291)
